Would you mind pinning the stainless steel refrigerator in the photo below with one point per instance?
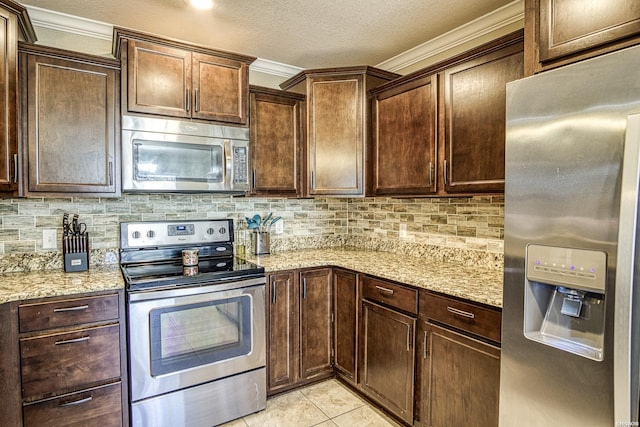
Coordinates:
(570, 329)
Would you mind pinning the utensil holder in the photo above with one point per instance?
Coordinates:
(260, 243)
(75, 251)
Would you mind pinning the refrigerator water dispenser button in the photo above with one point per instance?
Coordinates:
(571, 307)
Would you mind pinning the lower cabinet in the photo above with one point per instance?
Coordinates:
(345, 324)
(459, 363)
(299, 328)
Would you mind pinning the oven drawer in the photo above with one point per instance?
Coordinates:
(68, 312)
(100, 406)
(66, 361)
(391, 294)
(462, 315)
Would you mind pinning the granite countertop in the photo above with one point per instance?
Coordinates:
(476, 284)
(51, 283)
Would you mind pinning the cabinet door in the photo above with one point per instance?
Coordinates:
(388, 358)
(345, 328)
(8, 100)
(72, 134)
(335, 138)
(159, 79)
(315, 323)
(282, 318)
(276, 138)
(220, 89)
(462, 380)
(568, 27)
(474, 126)
(404, 144)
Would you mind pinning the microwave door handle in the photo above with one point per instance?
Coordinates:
(227, 165)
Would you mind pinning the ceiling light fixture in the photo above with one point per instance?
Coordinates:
(201, 4)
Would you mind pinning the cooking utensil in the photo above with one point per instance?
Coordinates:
(273, 221)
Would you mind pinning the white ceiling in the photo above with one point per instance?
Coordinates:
(302, 33)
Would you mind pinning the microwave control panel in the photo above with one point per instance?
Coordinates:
(240, 165)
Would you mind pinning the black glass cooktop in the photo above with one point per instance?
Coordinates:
(171, 274)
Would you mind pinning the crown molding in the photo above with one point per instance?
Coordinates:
(506, 15)
(499, 18)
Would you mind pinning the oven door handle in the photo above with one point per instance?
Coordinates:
(139, 296)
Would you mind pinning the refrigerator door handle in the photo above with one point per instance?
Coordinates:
(625, 364)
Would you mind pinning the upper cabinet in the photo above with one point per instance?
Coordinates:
(338, 122)
(14, 26)
(440, 131)
(561, 32)
(277, 119)
(70, 123)
(170, 78)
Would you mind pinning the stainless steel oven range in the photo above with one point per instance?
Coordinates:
(196, 340)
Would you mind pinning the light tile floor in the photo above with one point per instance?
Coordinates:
(325, 404)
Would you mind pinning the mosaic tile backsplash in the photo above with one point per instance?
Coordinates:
(458, 229)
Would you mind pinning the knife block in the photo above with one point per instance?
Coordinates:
(75, 251)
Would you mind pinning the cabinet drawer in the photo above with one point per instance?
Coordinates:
(466, 316)
(70, 360)
(68, 312)
(101, 406)
(391, 294)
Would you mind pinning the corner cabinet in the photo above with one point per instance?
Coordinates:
(440, 131)
(346, 315)
(299, 339)
(170, 78)
(276, 121)
(338, 122)
(60, 90)
(14, 26)
(562, 32)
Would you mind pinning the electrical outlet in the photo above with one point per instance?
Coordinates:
(49, 238)
(279, 226)
(403, 230)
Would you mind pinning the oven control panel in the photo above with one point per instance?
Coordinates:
(148, 234)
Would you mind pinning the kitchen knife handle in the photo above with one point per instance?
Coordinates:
(73, 341)
(196, 99)
(462, 313)
(74, 308)
(273, 292)
(77, 402)
(15, 168)
(188, 100)
(446, 181)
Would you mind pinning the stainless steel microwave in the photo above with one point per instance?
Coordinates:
(183, 156)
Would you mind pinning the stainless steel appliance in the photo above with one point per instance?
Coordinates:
(570, 337)
(196, 342)
(177, 155)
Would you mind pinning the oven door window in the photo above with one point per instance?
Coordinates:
(172, 161)
(187, 336)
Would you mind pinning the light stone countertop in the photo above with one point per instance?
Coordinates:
(51, 283)
(476, 284)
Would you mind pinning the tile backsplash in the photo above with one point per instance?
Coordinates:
(456, 224)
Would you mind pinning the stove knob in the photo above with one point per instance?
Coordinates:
(211, 231)
(150, 234)
(135, 234)
(222, 230)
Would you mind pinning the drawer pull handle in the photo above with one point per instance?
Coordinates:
(384, 290)
(77, 402)
(462, 313)
(65, 309)
(73, 341)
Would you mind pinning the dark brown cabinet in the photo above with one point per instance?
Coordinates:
(299, 328)
(458, 363)
(14, 25)
(441, 130)
(60, 90)
(560, 32)
(345, 324)
(338, 122)
(71, 361)
(276, 142)
(388, 346)
(169, 78)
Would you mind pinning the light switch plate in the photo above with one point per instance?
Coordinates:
(49, 238)
(279, 227)
(403, 230)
